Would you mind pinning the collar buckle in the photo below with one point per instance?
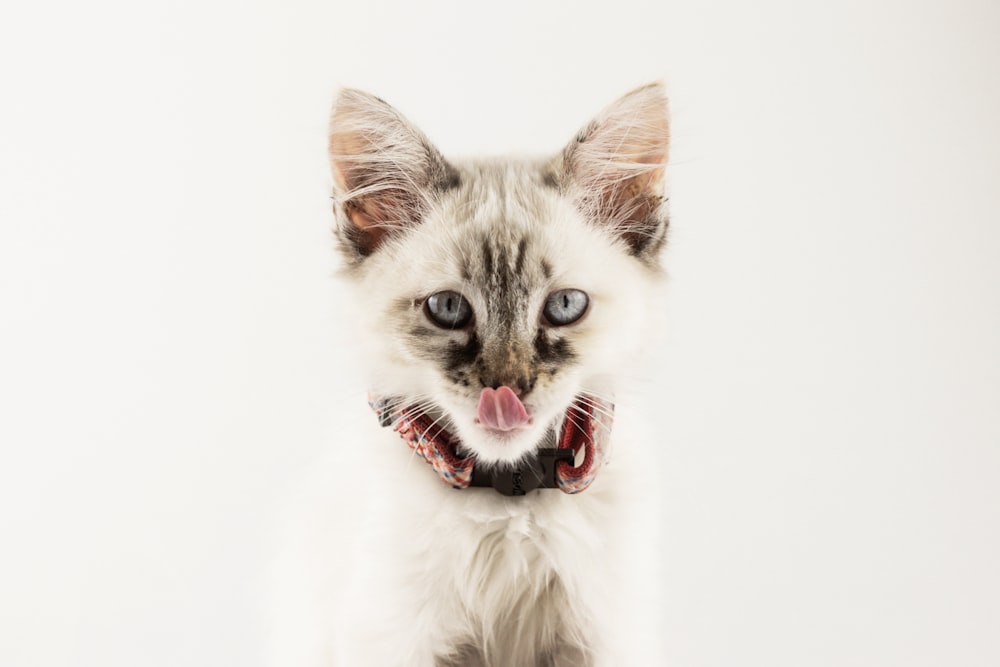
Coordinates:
(537, 472)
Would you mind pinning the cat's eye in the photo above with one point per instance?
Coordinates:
(565, 306)
(449, 310)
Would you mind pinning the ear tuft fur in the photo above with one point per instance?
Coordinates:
(384, 170)
(614, 168)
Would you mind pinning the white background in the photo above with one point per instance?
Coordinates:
(170, 365)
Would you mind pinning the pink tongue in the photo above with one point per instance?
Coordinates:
(501, 409)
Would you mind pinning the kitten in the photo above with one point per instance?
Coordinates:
(501, 304)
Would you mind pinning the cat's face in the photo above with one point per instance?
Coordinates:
(494, 294)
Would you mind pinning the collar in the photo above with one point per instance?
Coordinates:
(586, 426)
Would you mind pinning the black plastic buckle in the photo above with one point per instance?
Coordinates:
(538, 472)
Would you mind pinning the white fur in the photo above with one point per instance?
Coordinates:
(390, 568)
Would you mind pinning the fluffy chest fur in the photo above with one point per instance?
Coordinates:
(547, 579)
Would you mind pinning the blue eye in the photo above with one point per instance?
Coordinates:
(565, 306)
(449, 310)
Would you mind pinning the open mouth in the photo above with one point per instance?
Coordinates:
(584, 431)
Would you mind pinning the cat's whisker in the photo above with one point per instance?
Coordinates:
(598, 406)
(413, 408)
(573, 421)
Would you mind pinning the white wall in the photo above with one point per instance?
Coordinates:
(169, 355)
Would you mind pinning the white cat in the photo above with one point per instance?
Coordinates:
(502, 305)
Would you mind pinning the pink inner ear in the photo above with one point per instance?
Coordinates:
(359, 164)
(653, 157)
(377, 214)
(360, 219)
(372, 233)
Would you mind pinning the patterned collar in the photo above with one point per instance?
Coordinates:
(586, 426)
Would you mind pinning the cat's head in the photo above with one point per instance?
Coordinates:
(493, 294)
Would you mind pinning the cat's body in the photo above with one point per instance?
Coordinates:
(492, 297)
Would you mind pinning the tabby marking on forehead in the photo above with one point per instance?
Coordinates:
(508, 344)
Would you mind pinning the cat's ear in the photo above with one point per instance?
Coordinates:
(385, 171)
(614, 167)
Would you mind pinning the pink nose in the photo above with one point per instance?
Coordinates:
(501, 409)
